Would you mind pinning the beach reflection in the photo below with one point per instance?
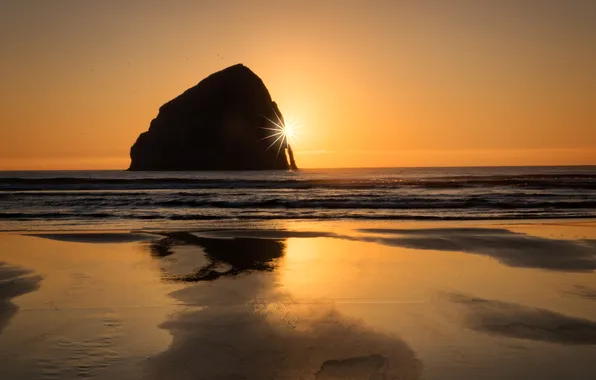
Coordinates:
(466, 316)
(246, 325)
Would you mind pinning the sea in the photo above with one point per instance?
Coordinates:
(56, 200)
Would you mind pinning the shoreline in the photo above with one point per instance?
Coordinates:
(259, 223)
(549, 246)
(143, 234)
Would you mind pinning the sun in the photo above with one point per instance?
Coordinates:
(286, 133)
(291, 128)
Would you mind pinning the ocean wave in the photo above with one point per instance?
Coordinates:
(52, 215)
(380, 204)
(365, 202)
(310, 214)
(394, 194)
(576, 181)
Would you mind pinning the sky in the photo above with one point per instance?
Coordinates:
(372, 83)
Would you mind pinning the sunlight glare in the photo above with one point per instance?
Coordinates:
(284, 132)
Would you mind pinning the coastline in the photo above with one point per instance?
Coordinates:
(142, 227)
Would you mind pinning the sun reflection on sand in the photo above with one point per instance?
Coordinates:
(248, 325)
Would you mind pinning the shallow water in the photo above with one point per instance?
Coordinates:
(305, 301)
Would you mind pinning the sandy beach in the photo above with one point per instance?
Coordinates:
(302, 300)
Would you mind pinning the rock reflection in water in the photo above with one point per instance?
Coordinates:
(247, 326)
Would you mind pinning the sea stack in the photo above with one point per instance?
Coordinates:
(222, 123)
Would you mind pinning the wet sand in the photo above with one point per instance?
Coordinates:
(14, 282)
(333, 300)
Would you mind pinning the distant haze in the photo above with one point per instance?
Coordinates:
(373, 83)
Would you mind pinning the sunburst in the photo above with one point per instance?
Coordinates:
(286, 133)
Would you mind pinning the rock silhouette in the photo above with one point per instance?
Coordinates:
(222, 123)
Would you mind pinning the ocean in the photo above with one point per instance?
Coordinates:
(48, 200)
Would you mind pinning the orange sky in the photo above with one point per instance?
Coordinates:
(375, 83)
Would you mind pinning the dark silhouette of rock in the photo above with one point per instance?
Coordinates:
(222, 123)
(238, 255)
(293, 165)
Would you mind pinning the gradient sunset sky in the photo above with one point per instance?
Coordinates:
(373, 83)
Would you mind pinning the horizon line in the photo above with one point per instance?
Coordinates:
(314, 168)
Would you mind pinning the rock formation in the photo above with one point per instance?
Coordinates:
(222, 123)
